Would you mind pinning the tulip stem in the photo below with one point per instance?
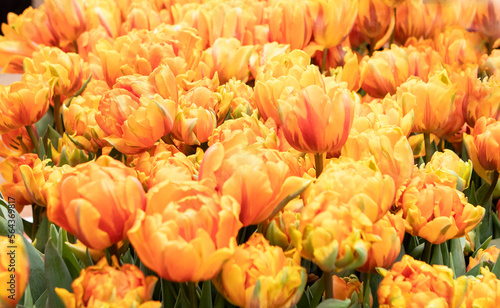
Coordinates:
(426, 254)
(488, 194)
(391, 40)
(57, 114)
(366, 289)
(372, 47)
(428, 149)
(328, 282)
(323, 61)
(33, 139)
(318, 159)
(193, 297)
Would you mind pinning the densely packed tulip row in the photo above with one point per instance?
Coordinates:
(278, 153)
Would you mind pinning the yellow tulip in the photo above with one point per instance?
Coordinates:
(14, 270)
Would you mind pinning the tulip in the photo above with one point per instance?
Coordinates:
(389, 232)
(434, 103)
(84, 201)
(317, 122)
(187, 232)
(488, 255)
(236, 96)
(416, 283)
(350, 72)
(487, 21)
(423, 60)
(16, 143)
(290, 23)
(80, 251)
(358, 185)
(67, 18)
(458, 47)
(24, 102)
(376, 21)
(258, 179)
(141, 15)
(388, 146)
(259, 275)
(134, 123)
(231, 59)
(344, 288)
(13, 187)
(65, 68)
(281, 72)
(14, 270)
(483, 99)
(451, 170)
(66, 152)
(105, 14)
(276, 229)
(102, 285)
(434, 211)
(483, 290)
(385, 71)
(333, 20)
(414, 19)
(483, 144)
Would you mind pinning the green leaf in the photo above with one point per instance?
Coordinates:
(206, 295)
(27, 299)
(476, 270)
(42, 300)
(335, 303)
(445, 254)
(169, 294)
(219, 301)
(417, 252)
(46, 121)
(496, 268)
(457, 259)
(437, 256)
(37, 271)
(42, 153)
(182, 300)
(317, 292)
(58, 275)
(472, 195)
(10, 214)
(483, 246)
(42, 235)
(53, 136)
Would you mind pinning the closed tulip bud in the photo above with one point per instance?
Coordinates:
(356, 184)
(65, 69)
(488, 255)
(258, 179)
(388, 146)
(24, 102)
(483, 100)
(96, 202)
(434, 211)
(388, 235)
(67, 18)
(102, 285)
(16, 142)
(333, 20)
(231, 59)
(290, 23)
(259, 275)
(281, 72)
(140, 123)
(317, 122)
(276, 229)
(385, 71)
(66, 152)
(187, 233)
(483, 145)
(13, 187)
(14, 270)
(415, 283)
(434, 103)
(451, 170)
(487, 21)
(345, 287)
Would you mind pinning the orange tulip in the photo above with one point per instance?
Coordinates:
(333, 20)
(458, 47)
(24, 102)
(66, 152)
(133, 124)
(355, 184)
(231, 59)
(66, 69)
(105, 14)
(16, 142)
(282, 71)
(345, 287)
(259, 275)
(102, 285)
(436, 108)
(276, 229)
(487, 21)
(389, 148)
(317, 122)
(423, 60)
(187, 232)
(483, 99)
(412, 283)
(141, 15)
(258, 179)
(414, 18)
(483, 144)
(389, 232)
(434, 211)
(489, 255)
(67, 18)
(290, 23)
(483, 290)
(14, 269)
(13, 187)
(450, 169)
(376, 21)
(96, 202)
(385, 71)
